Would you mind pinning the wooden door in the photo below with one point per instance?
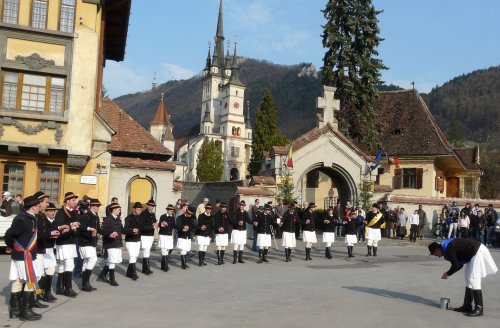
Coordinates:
(452, 187)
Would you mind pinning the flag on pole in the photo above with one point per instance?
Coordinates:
(377, 160)
(289, 162)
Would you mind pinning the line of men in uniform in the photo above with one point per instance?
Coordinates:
(41, 227)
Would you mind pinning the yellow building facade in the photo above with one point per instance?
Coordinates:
(51, 60)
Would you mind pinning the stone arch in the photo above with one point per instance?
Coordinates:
(340, 178)
(234, 174)
(131, 185)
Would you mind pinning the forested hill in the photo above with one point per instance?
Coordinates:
(473, 102)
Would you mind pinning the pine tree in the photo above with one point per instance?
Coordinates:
(350, 64)
(209, 165)
(454, 136)
(286, 190)
(266, 132)
(366, 195)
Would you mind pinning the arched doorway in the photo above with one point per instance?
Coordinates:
(325, 184)
(234, 174)
(139, 190)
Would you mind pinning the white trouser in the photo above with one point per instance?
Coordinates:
(239, 247)
(202, 248)
(373, 243)
(452, 229)
(328, 244)
(50, 271)
(66, 265)
(17, 286)
(89, 256)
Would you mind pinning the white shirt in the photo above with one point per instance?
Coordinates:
(414, 218)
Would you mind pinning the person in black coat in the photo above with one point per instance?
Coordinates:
(239, 233)
(185, 225)
(478, 264)
(112, 230)
(309, 229)
(89, 228)
(329, 226)
(21, 238)
(132, 231)
(262, 222)
(149, 225)
(289, 223)
(351, 229)
(166, 235)
(204, 233)
(221, 227)
(50, 235)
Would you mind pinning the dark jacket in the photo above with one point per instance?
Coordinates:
(330, 226)
(109, 225)
(290, 221)
(148, 218)
(222, 220)
(241, 217)
(183, 221)
(42, 234)
(371, 216)
(351, 227)
(132, 221)
(168, 230)
(459, 251)
(264, 222)
(22, 230)
(204, 220)
(49, 227)
(308, 216)
(65, 217)
(89, 220)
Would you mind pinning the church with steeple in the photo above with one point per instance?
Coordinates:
(224, 115)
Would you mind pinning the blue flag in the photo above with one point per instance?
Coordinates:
(377, 160)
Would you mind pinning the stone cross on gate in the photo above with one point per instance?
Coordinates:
(326, 107)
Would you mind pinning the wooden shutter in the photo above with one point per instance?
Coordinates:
(398, 178)
(439, 183)
(420, 173)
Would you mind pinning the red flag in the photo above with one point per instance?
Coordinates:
(289, 162)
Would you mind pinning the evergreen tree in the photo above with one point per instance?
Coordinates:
(266, 132)
(350, 64)
(366, 195)
(209, 165)
(454, 136)
(286, 191)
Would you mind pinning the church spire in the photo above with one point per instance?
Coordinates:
(219, 43)
(235, 77)
(209, 61)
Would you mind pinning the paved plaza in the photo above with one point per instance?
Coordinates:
(399, 288)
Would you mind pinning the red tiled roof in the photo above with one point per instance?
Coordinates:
(162, 117)
(315, 133)
(254, 191)
(469, 157)
(260, 179)
(142, 163)
(280, 150)
(130, 136)
(408, 127)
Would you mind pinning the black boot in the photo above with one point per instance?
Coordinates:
(26, 314)
(349, 251)
(260, 256)
(375, 251)
(287, 259)
(219, 262)
(264, 255)
(35, 303)
(164, 266)
(467, 306)
(134, 272)
(145, 266)
(68, 284)
(89, 274)
(183, 262)
(130, 269)
(222, 252)
(148, 266)
(289, 255)
(308, 254)
(328, 253)
(59, 285)
(85, 281)
(203, 258)
(235, 257)
(47, 291)
(112, 280)
(103, 276)
(240, 257)
(369, 251)
(200, 259)
(15, 305)
(478, 303)
(41, 284)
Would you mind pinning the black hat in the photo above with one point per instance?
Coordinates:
(137, 205)
(433, 246)
(114, 205)
(208, 206)
(190, 210)
(243, 203)
(330, 207)
(151, 202)
(94, 202)
(31, 201)
(223, 205)
(69, 195)
(51, 207)
(170, 207)
(376, 205)
(312, 205)
(267, 207)
(291, 205)
(40, 195)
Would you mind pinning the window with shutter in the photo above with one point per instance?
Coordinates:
(439, 182)
(419, 178)
(398, 178)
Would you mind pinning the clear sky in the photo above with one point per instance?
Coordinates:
(426, 41)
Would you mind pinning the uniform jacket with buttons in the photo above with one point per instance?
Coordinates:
(109, 225)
